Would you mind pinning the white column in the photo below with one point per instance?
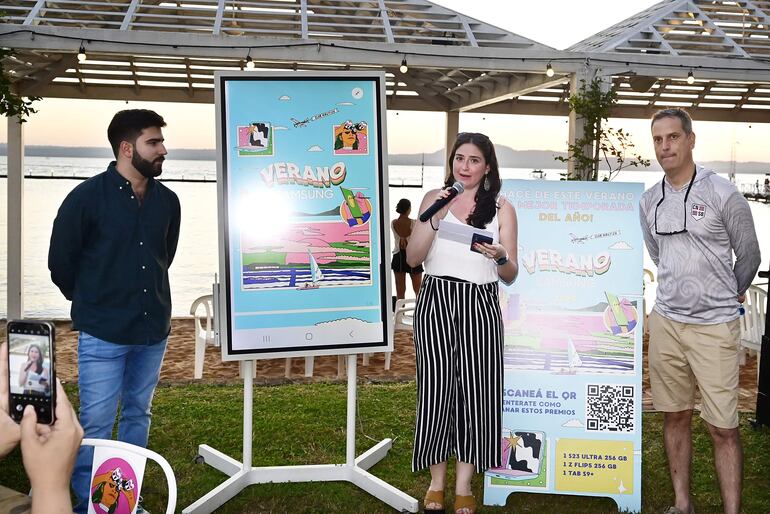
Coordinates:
(576, 124)
(15, 195)
(452, 128)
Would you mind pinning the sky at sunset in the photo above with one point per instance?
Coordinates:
(566, 22)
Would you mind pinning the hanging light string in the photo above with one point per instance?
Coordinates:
(566, 58)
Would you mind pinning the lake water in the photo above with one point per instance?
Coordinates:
(196, 260)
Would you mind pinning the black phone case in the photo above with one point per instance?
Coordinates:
(479, 238)
(44, 406)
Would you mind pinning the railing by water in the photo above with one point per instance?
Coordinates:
(757, 192)
(59, 176)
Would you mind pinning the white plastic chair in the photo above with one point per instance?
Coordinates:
(646, 274)
(753, 322)
(403, 317)
(122, 449)
(204, 332)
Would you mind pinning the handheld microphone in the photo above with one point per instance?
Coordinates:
(455, 190)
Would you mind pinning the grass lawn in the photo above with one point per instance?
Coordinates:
(305, 424)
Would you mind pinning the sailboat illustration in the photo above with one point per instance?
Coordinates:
(573, 360)
(315, 274)
(573, 357)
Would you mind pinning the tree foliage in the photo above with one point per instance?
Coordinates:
(12, 104)
(598, 143)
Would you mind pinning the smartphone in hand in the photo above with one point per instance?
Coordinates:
(479, 238)
(31, 369)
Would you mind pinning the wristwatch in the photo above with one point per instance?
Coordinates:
(502, 260)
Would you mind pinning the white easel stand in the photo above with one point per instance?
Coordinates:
(354, 469)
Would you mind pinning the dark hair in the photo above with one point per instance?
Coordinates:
(127, 125)
(97, 495)
(403, 206)
(486, 201)
(674, 112)
(39, 363)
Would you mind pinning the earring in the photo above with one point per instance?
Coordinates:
(487, 185)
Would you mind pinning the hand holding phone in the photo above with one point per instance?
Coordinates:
(49, 452)
(30, 362)
(479, 238)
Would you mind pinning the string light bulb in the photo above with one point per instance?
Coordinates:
(249, 62)
(549, 70)
(403, 68)
(690, 77)
(82, 53)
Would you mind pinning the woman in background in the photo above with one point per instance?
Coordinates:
(458, 330)
(402, 229)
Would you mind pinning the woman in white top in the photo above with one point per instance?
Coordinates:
(33, 374)
(458, 330)
(402, 229)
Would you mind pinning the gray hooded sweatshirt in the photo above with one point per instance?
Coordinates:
(698, 281)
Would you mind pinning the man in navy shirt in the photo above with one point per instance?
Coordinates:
(112, 243)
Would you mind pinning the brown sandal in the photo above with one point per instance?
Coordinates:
(465, 502)
(435, 497)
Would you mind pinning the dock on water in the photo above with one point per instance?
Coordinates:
(757, 192)
(759, 197)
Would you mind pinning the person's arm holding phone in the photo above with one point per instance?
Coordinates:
(505, 253)
(49, 453)
(509, 237)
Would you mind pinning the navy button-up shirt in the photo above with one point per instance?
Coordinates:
(110, 256)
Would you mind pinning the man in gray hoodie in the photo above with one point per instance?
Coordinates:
(693, 221)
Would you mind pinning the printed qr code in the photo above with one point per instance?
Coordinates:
(610, 408)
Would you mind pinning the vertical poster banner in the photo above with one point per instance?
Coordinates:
(302, 199)
(572, 400)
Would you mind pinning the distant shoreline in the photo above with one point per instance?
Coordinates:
(507, 157)
(188, 154)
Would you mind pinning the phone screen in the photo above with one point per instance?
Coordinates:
(31, 369)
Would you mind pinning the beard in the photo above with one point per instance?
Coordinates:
(149, 169)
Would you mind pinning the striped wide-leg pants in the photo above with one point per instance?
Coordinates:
(458, 339)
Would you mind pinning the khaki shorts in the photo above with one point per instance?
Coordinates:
(683, 355)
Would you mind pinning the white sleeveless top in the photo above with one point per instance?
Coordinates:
(453, 259)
